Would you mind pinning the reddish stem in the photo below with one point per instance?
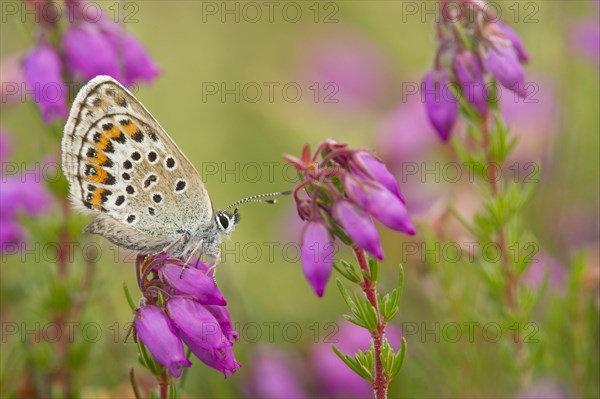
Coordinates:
(163, 383)
(380, 383)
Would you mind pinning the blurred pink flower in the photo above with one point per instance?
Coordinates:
(585, 37)
(274, 375)
(534, 119)
(20, 192)
(546, 388)
(124, 57)
(12, 79)
(42, 67)
(334, 378)
(353, 66)
(541, 264)
(405, 134)
(405, 140)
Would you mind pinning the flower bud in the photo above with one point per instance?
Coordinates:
(469, 74)
(223, 360)
(202, 333)
(377, 171)
(359, 227)
(224, 319)
(515, 39)
(380, 204)
(440, 103)
(317, 255)
(156, 331)
(193, 282)
(137, 62)
(89, 53)
(501, 61)
(42, 69)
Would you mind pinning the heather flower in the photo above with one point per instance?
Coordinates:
(440, 103)
(222, 316)
(198, 327)
(156, 331)
(470, 76)
(317, 255)
(19, 193)
(274, 375)
(202, 333)
(542, 266)
(359, 227)
(501, 61)
(193, 306)
(471, 51)
(12, 78)
(375, 169)
(42, 69)
(123, 56)
(89, 52)
(515, 40)
(337, 197)
(547, 388)
(348, 69)
(137, 63)
(380, 203)
(585, 37)
(194, 282)
(405, 135)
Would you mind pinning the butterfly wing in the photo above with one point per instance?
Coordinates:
(124, 168)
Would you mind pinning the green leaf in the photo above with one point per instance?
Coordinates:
(354, 320)
(400, 285)
(347, 270)
(147, 360)
(373, 274)
(388, 307)
(128, 296)
(345, 294)
(366, 312)
(353, 364)
(172, 391)
(399, 359)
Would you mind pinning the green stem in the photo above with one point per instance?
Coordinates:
(511, 279)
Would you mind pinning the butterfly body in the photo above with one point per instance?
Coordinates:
(123, 168)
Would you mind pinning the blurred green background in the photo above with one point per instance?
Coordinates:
(389, 49)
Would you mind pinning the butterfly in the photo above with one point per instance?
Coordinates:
(123, 168)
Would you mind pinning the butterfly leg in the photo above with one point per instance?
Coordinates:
(169, 247)
(192, 254)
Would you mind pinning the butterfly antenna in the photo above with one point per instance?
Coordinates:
(259, 198)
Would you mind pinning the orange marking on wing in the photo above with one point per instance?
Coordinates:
(96, 200)
(114, 132)
(100, 176)
(103, 143)
(131, 128)
(99, 159)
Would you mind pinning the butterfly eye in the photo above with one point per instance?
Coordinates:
(224, 221)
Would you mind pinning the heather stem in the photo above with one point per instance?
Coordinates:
(380, 382)
(163, 383)
(511, 279)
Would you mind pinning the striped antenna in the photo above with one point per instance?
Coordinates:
(259, 198)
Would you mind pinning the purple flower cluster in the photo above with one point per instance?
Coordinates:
(182, 309)
(20, 192)
(471, 49)
(89, 48)
(344, 191)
